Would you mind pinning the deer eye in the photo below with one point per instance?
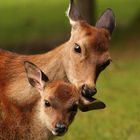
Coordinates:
(77, 48)
(46, 103)
(73, 108)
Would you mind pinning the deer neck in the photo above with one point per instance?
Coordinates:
(51, 63)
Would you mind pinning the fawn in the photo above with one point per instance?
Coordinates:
(50, 113)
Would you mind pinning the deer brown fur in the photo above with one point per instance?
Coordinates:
(56, 104)
(79, 60)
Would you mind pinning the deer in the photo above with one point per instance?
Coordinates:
(50, 115)
(79, 61)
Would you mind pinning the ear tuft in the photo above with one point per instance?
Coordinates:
(73, 13)
(107, 21)
(35, 76)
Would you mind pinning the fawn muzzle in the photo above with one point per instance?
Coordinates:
(60, 129)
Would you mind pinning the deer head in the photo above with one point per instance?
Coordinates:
(59, 100)
(87, 50)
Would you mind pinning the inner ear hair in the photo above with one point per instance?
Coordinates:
(73, 13)
(35, 76)
(107, 20)
(44, 77)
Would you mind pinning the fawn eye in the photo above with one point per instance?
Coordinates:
(47, 104)
(77, 48)
(73, 108)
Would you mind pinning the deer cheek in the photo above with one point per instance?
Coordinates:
(52, 119)
(72, 116)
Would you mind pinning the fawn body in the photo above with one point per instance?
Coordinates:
(49, 115)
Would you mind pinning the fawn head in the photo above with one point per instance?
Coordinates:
(59, 100)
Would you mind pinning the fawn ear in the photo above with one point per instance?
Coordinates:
(73, 13)
(35, 76)
(90, 104)
(107, 21)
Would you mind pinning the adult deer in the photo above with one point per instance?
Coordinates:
(79, 60)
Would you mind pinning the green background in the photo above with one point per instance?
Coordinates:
(25, 23)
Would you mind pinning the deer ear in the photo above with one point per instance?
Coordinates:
(107, 21)
(90, 104)
(73, 13)
(35, 76)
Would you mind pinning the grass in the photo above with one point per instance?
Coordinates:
(118, 86)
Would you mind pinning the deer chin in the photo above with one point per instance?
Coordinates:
(90, 99)
(57, 134)
(90, 103)
(54, 133)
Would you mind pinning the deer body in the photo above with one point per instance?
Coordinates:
(15, 62)
(49, 115)
(79, 60)
(19, 124)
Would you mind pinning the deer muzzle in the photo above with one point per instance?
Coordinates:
(60, 129)
(88, 92)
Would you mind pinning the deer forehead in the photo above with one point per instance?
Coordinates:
(84, 29)
(61, 92)
(92, 38)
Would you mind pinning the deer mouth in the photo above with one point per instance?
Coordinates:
(88, 96)
(88, 92)
(88, 102)
(90, 99)
(58, 133)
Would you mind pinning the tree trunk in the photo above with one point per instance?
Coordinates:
(87, 9)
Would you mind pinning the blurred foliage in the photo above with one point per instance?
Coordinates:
(42, 23)
(31, 21)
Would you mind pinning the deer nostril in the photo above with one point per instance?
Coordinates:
(94, 90)
(88, 92)
(60, 128)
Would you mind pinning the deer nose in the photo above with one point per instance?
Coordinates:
(60, 128)
(88, 92)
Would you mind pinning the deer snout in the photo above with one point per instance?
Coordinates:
(87, 91)
(60, 129)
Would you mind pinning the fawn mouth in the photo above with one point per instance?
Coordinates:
(58, 133)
